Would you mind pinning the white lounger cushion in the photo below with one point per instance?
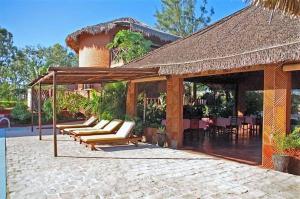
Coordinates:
(90, 121)
(122, 133)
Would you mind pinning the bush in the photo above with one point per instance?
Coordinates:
(113, 100)
(47, 109)
(293, 139)
(8, 104)
(20, 113)
(282, 143)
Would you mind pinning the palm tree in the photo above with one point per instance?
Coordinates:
(291, 7)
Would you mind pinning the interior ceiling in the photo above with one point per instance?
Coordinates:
(226, 79)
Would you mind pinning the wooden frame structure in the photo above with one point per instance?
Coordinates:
(83, 75)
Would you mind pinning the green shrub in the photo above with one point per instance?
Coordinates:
(20, 113)
(113, 100)
(8, 104)
(293, 139)
(106, 116)
(283, 142)
(93, 106)
(47, 109)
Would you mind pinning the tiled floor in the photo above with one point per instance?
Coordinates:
(247, 148)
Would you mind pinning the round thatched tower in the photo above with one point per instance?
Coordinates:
(90, 42)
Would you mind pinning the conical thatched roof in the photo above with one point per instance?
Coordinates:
(126, 23)
(249, 37)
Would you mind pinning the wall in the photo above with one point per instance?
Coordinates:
(93, 51)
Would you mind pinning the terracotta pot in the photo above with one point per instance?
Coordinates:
(161, 139)
(281, 162)
(150, 135)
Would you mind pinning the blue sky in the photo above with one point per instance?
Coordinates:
(47, 22)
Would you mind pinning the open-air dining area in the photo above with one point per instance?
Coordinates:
(226, 116)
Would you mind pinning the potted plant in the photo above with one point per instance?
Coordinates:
(279, 158)
(161, 136)
(293, 150)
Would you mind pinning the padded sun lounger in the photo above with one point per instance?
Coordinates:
(124, 135)
(99, 125)
(87, 123)
(110, 128)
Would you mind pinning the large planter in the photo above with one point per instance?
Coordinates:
(281, 162)
(150, 135)
(294, 164)
(161, 138)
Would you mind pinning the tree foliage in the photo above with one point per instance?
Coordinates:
(130, 45)
(20, 66)
(181, 17)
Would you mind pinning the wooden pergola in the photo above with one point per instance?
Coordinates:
(82, 75)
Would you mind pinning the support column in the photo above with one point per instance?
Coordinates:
(174, 120)
(131, 99)
(54, 115)
(40, 111)
(241, 104)
(194, 91)
(277, 108)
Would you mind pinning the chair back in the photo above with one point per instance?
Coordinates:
(101, 124)
(113, 125)
(90, 121)
(125, 129)
(234, 121)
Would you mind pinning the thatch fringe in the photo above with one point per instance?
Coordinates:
(288, 53)
(290, 7)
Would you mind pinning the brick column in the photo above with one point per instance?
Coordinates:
(174, 116)
(277, 108)
(131, 99)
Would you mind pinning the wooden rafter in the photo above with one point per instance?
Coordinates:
(91, 75)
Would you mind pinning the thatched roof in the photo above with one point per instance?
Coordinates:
(249, 37)
(290, 7)
(126, 23)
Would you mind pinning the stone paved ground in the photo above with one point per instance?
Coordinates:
(130, 172)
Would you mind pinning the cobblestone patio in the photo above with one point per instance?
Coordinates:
(130, 172)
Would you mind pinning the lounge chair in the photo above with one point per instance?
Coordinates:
(87, 123)
(110, 128)
(99, 125)
(124, 135)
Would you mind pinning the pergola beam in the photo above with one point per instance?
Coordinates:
(91, 75)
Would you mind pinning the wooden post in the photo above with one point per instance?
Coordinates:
(131, 99)
(54, 115)
(277, 108)
(174, 117)
(236, 99)
(40, 111)
(194, 94)
(145, 107)
(31, 104)
(241, 103)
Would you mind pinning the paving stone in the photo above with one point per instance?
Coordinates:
(128, 172)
